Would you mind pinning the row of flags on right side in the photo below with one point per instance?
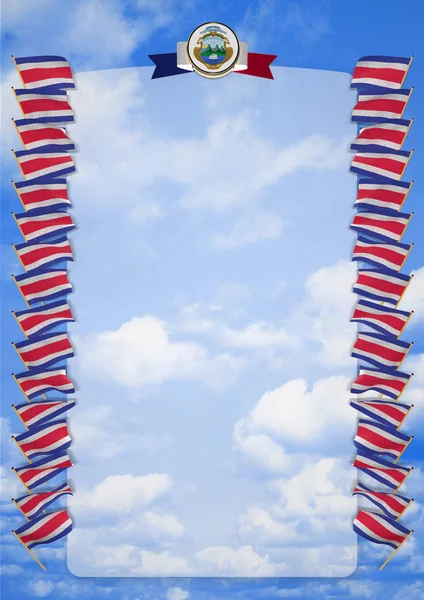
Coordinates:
(380, 162)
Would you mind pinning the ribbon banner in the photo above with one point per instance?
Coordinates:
(256, 65)
(212, 50)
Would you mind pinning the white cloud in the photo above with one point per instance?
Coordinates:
(124, 559)
(177, 593)
(318, 491)
(258, 525)
(309, 507)
(260, 449)
(233, 562)
(263, 336)
(414, 393)
(317, 330)
(122, 494)
(10, 485)
(323, 316)
(413, 299)
(119, 144)
(413, 591)
(291, 412)
(11, 570)
(81, 28)
(249, 229)
(150, 526)
(41, 588)
(141, 353)
(259, 335)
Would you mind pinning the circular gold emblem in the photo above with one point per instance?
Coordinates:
(213, 49)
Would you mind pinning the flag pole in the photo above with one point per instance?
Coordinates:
(406, 194)
(19, 164)
(406, 354)
(20, 259)
(20, 106)
(19, 196)
(19, 227)
(404, 258)
(407, 285)
(407, 475)
(406, 72)
(22, 141)
(20, 326)
(13, 375)
(410, 377)
(406, 164)
(409, 95)
(13, 438)
(24, 484)
(410, 440)
(394, 551)
(23, 296)
(25, 425)
(32, 554)
(16, 66)
(405, 415)
(17, 506)
(13, 344)
(410, 502)
(406, 323)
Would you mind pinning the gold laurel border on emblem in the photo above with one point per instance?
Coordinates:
(208, 73)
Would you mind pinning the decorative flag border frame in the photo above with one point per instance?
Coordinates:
(44, 197)
(382, 130)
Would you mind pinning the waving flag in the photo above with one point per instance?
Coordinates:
(382, 254)
(382, 318)
(45, 529)
(378, 193)
(380, 71)
(379, 106)
(384, 162)
(48, 105)
(35, 134)
(389, 135)
(380, 439)
(42, 285)
(39, 320)
(40, 71)
(392, 505)
(36, 225)
(32, 505)
(50, 438)
(38, 413)
(386, 381)
(387, 225)
(379, 529)
(43, 470)
(390, 414)
(44, 350)
(382, 285)
(44, 162)
(382, 470)
(35, 382)
(380, 350)
(34, 255)
(52, 194)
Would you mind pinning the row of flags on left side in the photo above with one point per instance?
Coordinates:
(44, 163)
(380, 223)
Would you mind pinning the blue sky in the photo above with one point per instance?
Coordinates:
(309, 35)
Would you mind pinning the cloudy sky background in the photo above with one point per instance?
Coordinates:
(223, 336)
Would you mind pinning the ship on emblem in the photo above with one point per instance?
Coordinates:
(213, 47)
